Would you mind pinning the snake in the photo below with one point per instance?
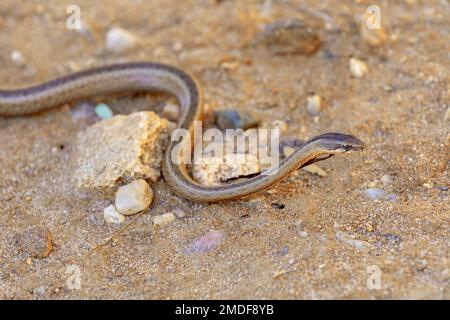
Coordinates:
(135, 77)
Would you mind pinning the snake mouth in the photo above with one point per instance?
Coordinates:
(353, 148)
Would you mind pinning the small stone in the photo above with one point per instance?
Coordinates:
(314, 104)
(29, 261)
(303, 234)
(36, 242)
(213, 170)
(291, 37)
(84, 111)
(112, 216)
(103, 111)
(385, 179)
(428, 185)
(119, 150)
(388, 88)
(17, 58)
(179, 213)
(284, 251)
(133, 197)
(40, 290)
(379, 194)
(358, 68)
(205, 243)
(171, 111)
(163, 219)
(119, 40)
(234, 119)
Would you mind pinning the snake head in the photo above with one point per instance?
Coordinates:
(335, 143)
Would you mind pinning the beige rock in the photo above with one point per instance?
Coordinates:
(163, 219)
(134, 197)
(119, 150)
(213, 170)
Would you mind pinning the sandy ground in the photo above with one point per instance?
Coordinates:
(328, 238)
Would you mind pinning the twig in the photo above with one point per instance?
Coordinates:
(115, 234)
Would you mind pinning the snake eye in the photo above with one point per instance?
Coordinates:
(347, 147)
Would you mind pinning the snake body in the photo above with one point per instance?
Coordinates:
(145, 76)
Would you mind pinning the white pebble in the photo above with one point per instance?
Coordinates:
(18, 58)
(358, 68)
(112, 216)
(119, 40)
(134, 197)
(163, 219)
(314, 104)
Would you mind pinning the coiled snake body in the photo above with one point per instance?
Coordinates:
(138, 77)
